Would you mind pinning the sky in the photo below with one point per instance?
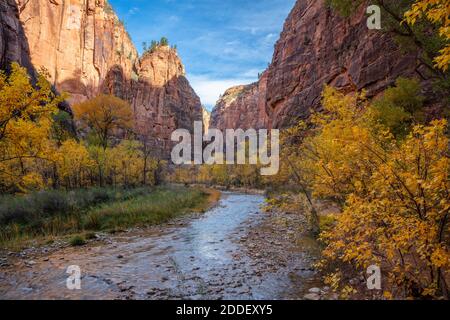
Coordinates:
(222, 43)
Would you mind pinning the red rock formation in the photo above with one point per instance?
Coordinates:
(319, 47)
(163, 100)
(242, 107)
(78, 42)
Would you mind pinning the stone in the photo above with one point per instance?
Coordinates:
(241, 107)
(163, 99)
(315, 290)
(311, 296)
(334, 296)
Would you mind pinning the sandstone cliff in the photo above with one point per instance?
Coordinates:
(318, 47)
(78, 42)
(163, 99)
(87, 50)
(242, 107)
(206, 119)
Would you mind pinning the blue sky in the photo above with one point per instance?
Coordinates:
(222, 42)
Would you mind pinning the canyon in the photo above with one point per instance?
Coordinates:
(317, 46)
(86, 50)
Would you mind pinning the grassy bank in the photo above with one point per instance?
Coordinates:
(54, 213)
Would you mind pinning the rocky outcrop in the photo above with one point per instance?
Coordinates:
(242, 107)
(318, 47)
(86, 50)
(163, 99)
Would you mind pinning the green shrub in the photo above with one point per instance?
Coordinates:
(59, 212)
(77, 240)
(400, 106)
(90, 235)
(326, 222)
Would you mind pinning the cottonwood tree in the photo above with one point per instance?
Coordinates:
(395, 193)
(438, 13)
(26, 117)
(104, 115)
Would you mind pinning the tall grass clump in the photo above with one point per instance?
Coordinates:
(52, 212)
(58, 212)
(159, 206)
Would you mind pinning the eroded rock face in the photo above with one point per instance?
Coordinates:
(242, 107)
(79, 42)
(163, 99)
(86, 51)
(319, 47)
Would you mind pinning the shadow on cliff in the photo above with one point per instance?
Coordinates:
(13, 42)
(115, 83)
(14, 46)
(174, 100)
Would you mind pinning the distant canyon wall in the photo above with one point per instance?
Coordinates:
(242, 107)
(316, 47)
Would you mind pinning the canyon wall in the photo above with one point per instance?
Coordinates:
(318, 47)
(86, 50)
(206, 119)
(242, 107)
(78, 41)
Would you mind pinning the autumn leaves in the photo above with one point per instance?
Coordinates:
(38, 152)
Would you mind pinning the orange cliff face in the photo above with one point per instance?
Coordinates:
(86, 50)
(78, 42)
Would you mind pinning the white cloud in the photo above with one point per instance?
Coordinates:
(174, 19)
(210, 89)
(133, 11)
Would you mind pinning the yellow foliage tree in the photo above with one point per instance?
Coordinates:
(104, 115)
(25, 125)
(394, 194)
(74, 164)
(438, 12)
(127, 165)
